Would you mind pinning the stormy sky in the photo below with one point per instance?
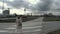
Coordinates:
(34, 6)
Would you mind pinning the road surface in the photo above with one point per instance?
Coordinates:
(29, 27)
(33, 26)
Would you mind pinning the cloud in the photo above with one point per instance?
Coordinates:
(1, 5)
(56, 4)
(45, 5)
(42, 5)
(18, 4)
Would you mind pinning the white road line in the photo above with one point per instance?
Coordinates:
(31, 27)
(33, 30)
(10, 28)
(3, 30)
(25, 27)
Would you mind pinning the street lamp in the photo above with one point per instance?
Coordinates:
(25, 11)
(3, 5)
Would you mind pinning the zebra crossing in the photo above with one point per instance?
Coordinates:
(30, 27)
(25, 29)
(11, 29)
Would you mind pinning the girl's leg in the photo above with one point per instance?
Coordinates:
(16, 28)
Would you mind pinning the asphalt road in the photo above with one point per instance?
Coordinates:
(33, 26)
(29, 27)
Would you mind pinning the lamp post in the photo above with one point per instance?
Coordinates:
(3, 4)
(25, 11)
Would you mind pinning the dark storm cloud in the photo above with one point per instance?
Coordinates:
(45, 5)
(56, 4)
(16, 3)
(19, 4)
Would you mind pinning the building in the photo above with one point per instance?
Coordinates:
(6, 12)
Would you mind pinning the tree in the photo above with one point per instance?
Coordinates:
(15, 14)
(50, 14)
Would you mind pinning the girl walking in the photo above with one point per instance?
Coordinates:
(19, 24)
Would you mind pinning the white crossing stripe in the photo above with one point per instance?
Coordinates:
(3, 31)
(31, 27)
(10, 28)
(32, 30)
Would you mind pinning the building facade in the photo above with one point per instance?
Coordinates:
(6, 12)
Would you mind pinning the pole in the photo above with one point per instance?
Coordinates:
(25, 11)
(3, 5)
